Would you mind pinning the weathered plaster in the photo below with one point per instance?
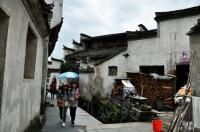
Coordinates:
(21, 97)
(166, 49)
(195, 64)
(99, 83)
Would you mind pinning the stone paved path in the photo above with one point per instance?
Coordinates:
(52, 124)
(86, 123)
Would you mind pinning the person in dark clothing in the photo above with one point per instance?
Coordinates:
(73, 101)
(62, 102)
(53, 89)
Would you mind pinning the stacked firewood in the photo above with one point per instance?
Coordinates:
(153, 89)
(117, 89)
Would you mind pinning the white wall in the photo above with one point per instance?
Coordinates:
(54, 65)
(86, 85)
(173, 36)
(99, 82)
(146, 52)
(195, 64)
(21, 97)
(122, 64)
(166, 49)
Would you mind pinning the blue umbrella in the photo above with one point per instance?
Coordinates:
(67, 75)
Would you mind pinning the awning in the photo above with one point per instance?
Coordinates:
(127, 83)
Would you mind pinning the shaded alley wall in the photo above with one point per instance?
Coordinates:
(195, 64)
(20, 96)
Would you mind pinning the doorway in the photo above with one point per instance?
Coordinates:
(182, 72)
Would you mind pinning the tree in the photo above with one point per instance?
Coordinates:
(65, 67)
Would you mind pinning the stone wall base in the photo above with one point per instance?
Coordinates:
(36, 124)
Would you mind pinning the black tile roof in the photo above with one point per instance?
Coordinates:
(55, 59)
(161, 16)
(195, 29)
(96, 56)
(107, 36)
(67, 48)
(141, 34)
(126, 35)
(54, 36)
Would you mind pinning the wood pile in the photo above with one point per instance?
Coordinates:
(117, 89)
(153, 89)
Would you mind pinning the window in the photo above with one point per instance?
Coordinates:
(30, 58)
(48, 74)
(152, 69)
(4, 21)
(112, 70)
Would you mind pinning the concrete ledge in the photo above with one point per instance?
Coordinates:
(121, 127)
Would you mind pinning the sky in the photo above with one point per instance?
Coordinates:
(99, 17)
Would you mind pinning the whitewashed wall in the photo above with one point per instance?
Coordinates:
(86, 85)
(146, 52)
(54, 65)
(102, 72)
(173, 36)
(21, 97)
(166, 49)
(195, 64)
(99, 82)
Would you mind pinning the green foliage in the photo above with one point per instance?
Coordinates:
(65, 67)
(84, 104)
(107, 111)
(102, 108)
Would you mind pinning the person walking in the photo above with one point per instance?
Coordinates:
(53, 89)
(73, 101)
(62, 102)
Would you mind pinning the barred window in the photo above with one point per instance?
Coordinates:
(112, 70)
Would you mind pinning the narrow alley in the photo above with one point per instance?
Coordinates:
(119, 66)
(87, 123)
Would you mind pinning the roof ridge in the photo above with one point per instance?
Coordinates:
(166, 15)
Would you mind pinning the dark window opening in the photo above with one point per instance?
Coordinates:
(182, 72)
(4, 22)
(152, 69)
(30, 58)
(48, 74)
(112, 70)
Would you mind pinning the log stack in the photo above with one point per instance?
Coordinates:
(154, 89)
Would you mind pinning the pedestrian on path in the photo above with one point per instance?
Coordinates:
(73, 101)
(53, 89)
(62, 102)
